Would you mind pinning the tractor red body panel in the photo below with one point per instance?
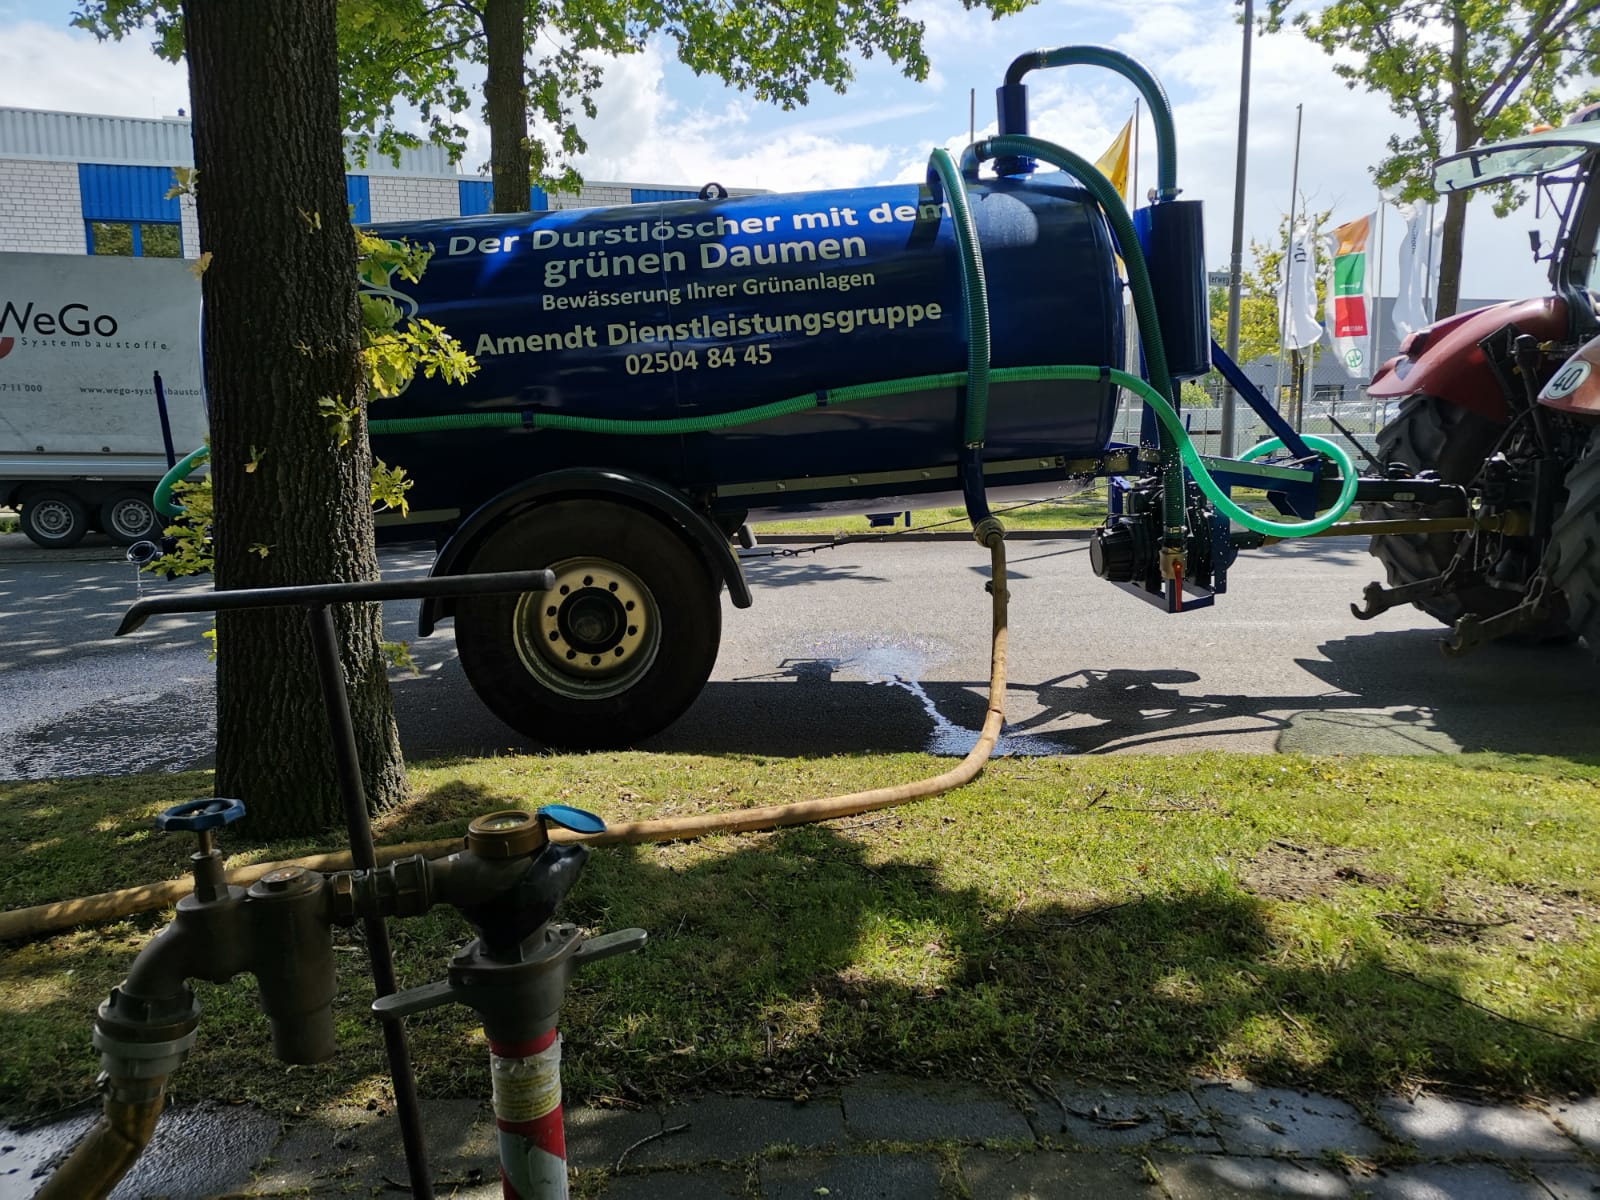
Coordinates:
(1445, 360)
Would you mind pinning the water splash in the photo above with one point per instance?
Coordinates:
(903, 665)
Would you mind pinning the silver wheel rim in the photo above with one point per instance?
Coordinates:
(595, 634)
(130, 518)
(52, 518)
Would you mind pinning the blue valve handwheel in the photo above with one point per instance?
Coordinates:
(197, 816)
(576, 819)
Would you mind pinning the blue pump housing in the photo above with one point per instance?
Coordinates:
(687, 308)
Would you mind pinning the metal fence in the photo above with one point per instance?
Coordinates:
(1362, 415)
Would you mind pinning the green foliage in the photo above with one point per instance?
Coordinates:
(1479, 71)
(191, 552)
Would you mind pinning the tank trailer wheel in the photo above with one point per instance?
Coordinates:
(616, 651)
(1429, 434)
(54, 519)
(129, 517)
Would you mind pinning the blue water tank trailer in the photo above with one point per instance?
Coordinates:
(695, 309)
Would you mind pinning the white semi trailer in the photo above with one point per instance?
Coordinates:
(81, 341)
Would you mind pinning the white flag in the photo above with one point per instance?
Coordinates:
(1297, 295)
(1418, 274)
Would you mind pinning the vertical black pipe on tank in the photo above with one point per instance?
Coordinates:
(1011, 115)
(1172, 236)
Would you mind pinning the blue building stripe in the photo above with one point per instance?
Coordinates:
(358, 195)
(116, 193)
(477, 197)
(652, 195)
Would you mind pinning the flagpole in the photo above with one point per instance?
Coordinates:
(1373, 323)
(1235, 259)
(1133, 193)
(1288, 264)
(1427, 270)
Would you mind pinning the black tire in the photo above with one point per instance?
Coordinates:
(1430, 435)
(129, 517)
(1574, 554)
(54, 519)
(617, 651)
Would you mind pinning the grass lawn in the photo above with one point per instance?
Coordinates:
(1351, 924)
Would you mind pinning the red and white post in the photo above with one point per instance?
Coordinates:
(527, 1115)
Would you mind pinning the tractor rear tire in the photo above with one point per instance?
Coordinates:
(1574, 555)
(616, 651)
(1429, 434)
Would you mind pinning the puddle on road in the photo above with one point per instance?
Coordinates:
(142, 733)
(199, 1150)
(903, 665)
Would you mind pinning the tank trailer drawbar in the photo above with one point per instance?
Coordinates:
(655, 378)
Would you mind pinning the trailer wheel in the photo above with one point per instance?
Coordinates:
(1429, 434)
(129, 517)
(1574, 555)
(616, 651)
(54, 519)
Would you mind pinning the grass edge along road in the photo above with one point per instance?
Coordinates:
(1349, 924)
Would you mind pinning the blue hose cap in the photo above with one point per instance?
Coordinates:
(197, 816)
(576, 819)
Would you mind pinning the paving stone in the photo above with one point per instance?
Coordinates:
(1117, 1120)
(677, 1185)
(725, 1129)
(344, 1145)
(1580, 1118)
(1570, 1181)
(1445, 1128)
(1055, 1175)
(596, 1137)
(852, 1177)
(884, 1108)
(1282, 1121)
(1455, 1181)
(1211, 1177)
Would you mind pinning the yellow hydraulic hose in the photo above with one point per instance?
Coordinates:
(106, 906)
(108, 1151)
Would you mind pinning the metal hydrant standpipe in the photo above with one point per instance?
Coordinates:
(508, 882)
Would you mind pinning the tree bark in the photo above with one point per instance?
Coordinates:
(505, 103)
(281, 331)
(1452, 244)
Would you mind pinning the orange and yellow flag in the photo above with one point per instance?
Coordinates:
(1113, 164)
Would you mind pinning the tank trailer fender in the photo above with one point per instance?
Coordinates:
(667, 504)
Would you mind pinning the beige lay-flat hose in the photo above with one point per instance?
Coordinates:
(106, 906)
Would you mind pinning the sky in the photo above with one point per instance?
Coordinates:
(658, 123)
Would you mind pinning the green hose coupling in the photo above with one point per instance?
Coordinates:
(988, 531)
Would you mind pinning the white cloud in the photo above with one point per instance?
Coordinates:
(641, 134)
(46, 67)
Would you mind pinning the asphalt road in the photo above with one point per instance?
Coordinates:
(870, 647)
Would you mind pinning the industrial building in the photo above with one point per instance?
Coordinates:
(77, 183)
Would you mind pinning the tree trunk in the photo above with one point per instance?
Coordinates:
(1451, 247)
(282, 331)
(1453, 239)
(505, 104)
